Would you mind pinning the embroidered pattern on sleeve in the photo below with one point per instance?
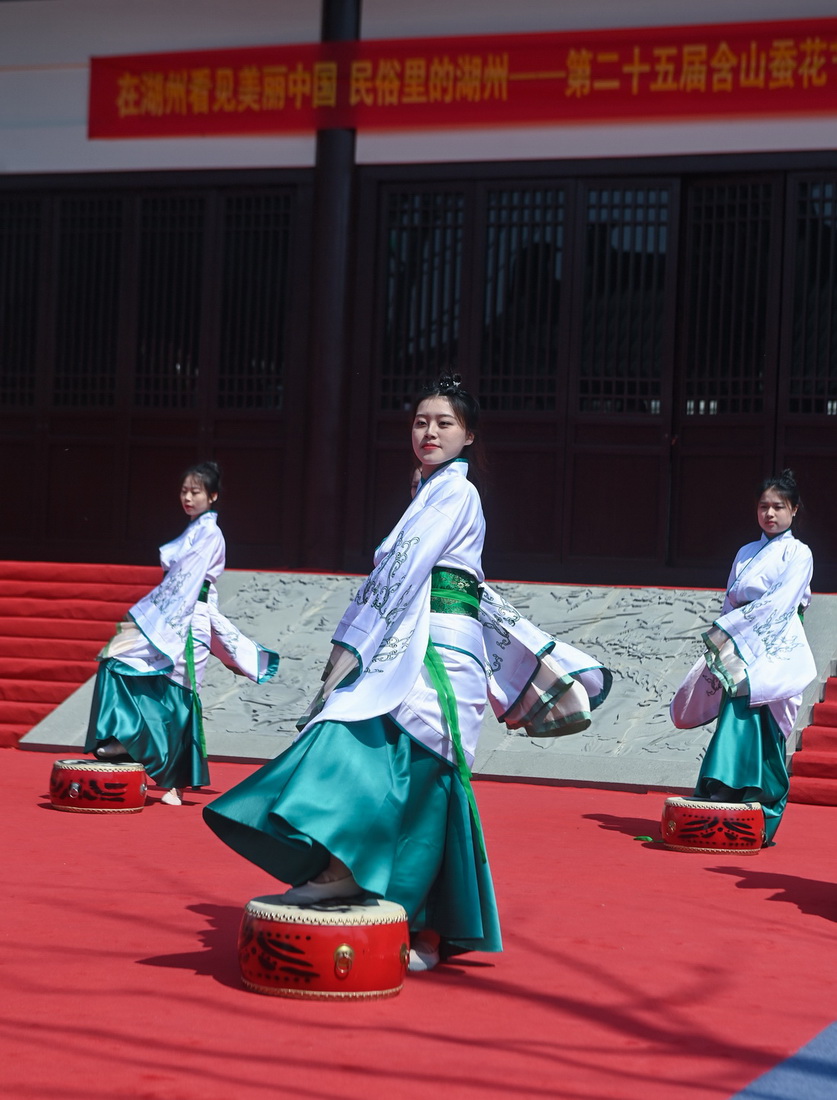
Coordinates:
(381, 586)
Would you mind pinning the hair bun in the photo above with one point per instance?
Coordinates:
(449, 383)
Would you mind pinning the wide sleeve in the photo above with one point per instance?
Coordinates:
(757, 645)
(165, 614)
(536, 683)
(237, 651)
(763, 639)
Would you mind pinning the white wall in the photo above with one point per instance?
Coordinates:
(45, 46)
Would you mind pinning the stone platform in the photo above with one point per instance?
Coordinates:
(648, 637)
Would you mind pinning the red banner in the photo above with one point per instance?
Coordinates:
(718, 71)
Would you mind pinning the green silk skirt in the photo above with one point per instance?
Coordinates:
(156, 720)
(745, 761)
(395, 813)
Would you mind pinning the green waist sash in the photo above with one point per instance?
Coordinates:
(454, 592)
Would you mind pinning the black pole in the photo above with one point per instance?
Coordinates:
(325, 467)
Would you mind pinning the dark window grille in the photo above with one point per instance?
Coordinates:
(87, 302)
(169, 311)
(20, 237)
(623, 301)
(255, 301)
(812, 386)
(524, 252)
(727, 273)
(422, 272)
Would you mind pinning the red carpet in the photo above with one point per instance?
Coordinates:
(814, 765)
(54, 619)
(630, 972)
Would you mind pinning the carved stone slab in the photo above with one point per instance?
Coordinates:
(648, 637)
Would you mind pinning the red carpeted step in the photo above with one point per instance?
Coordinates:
(824, 714)
(819, 738)
(64, 649)
(11, 733)
(13, 590)
(28, 668)
(817, 792)
(13, 626)
(42, 691)
(54, 619)
(830, 693)
(60, 608)
(28, 714)
(70, 572)
(815, 764)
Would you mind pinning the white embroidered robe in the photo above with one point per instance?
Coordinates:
(387, 626)
(154, 639)
(758, 644)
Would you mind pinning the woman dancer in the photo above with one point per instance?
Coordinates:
(756, 665)
(145, 703)
(375, 795)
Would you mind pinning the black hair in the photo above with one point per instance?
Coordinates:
(465, 405)
(466, 409)
(208, 474)
(785, 485)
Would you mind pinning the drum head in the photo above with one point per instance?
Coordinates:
(709, 804)
(357, 911)
(99, 766)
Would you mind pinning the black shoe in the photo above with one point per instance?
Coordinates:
(112, 752)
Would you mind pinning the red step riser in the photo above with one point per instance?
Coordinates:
(57, 629)
(816, 792)
(22, 668)
(28, 714)
(128, 594)
(101, 611)
(49, 648)
(815, 765)
(35, 691)
(819, 739)
(10, 734)
(830, 693)
(81, 572)
(824, 714)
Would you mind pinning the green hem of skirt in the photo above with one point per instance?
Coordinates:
(394, 812)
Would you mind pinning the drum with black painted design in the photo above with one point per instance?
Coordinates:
(353, 949)
(698, 825)
(96, 787)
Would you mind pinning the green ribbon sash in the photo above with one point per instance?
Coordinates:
(190, 668)
(454, 592)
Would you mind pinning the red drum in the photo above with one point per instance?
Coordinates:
(697, 825)
(355, 949)
(96, 787)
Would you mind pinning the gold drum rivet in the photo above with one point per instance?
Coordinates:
(343, 959)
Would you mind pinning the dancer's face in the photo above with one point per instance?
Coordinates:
(775, 513)
(438, 436)
(194, 497)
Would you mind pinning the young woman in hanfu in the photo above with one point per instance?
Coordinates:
(756, 665)
(374, 797)
(146, 706)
